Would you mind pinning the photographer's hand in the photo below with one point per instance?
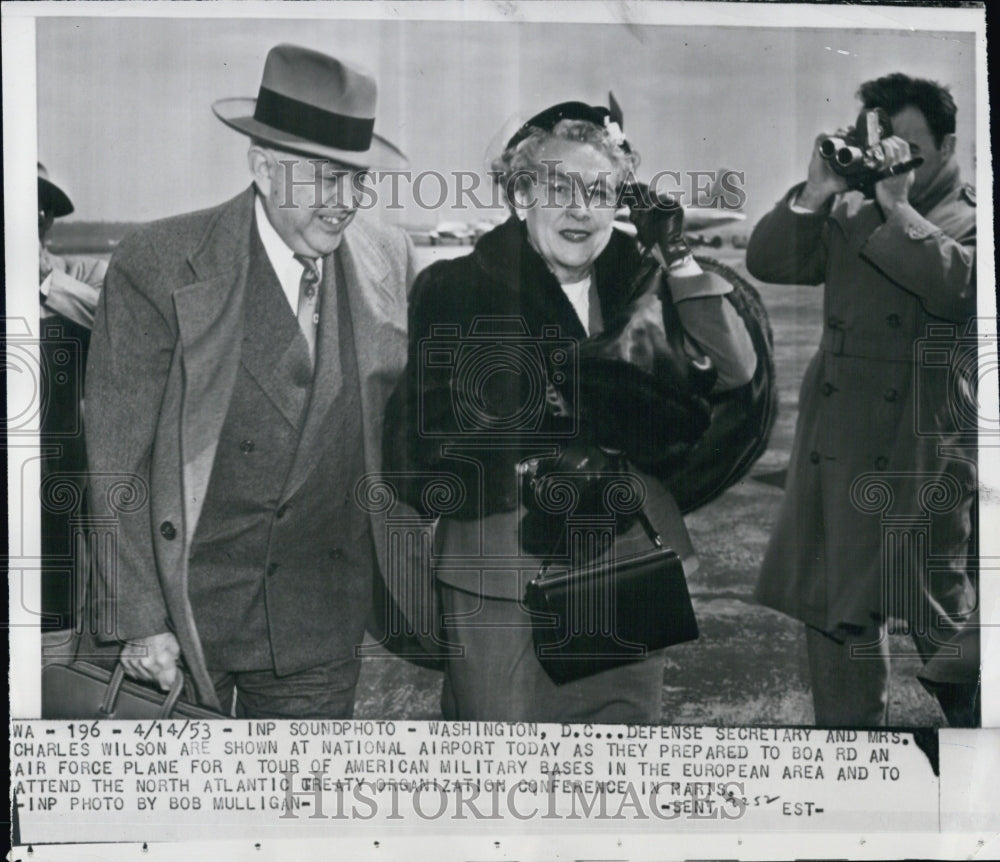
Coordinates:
(894, 191)
(822, 183)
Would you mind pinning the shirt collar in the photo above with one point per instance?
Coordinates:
(280, 255)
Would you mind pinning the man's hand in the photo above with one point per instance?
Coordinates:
(152, 659)
(893, 192)
(822, 182)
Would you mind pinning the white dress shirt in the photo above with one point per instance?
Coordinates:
(286, 267)
(578, 293)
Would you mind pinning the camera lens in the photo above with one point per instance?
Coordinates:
(828, 148)
(848, 156)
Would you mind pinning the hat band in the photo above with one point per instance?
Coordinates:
(315, 124)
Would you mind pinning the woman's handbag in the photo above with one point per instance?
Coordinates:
(608, 612)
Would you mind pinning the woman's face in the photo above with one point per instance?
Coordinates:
(570, 208)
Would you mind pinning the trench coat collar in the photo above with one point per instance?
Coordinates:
(945, 181)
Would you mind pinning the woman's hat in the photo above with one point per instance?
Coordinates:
(51, 198)
(313, 104)
(609, 118)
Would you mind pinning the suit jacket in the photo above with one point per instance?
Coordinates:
(163, 360)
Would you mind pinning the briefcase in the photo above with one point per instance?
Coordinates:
(86, 691)
(607, 614)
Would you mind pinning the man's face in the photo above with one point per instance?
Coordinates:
(911, 125)
(310, 201)
(45, 221)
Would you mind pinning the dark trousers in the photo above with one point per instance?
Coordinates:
(323, 691)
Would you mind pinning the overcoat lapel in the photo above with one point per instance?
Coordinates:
(210, 323)
(196, 399)
(381, 352)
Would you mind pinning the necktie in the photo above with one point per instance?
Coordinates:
(308, 310)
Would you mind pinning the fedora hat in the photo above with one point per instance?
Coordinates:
(50, 196)
(311, 103)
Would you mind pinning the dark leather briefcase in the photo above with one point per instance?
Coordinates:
(83, 690)
(601, 615)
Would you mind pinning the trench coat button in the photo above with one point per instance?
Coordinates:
(893, 321)
(168, 531)
(828, 389)
(247, 446)
(272, 568)
(814, 457)
(337, 554)
(891, 395)
(881, 463)
(833, 322)
(281, 511)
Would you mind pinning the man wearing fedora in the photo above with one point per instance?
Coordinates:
(68, 290)
(240, 364)
(68, 286)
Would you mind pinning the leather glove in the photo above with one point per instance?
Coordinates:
(659, 220)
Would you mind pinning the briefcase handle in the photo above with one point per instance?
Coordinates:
(642, 517)
(107, 707)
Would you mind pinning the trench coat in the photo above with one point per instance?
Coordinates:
(879, 502)
(164, 356)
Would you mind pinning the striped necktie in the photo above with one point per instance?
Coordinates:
(308, 310)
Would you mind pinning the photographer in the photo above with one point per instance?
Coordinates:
(892, 265)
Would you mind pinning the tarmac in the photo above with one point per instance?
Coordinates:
(748, 665)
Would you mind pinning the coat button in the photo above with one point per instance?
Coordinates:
(168, 531)
(828, 389)
(337, 554)
(272, 568)
(881, 463)
(246, 447)
(281, 512)
(891, 395)
(814, 457)
(833, 322)
(893, 321)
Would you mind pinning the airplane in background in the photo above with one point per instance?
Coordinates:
(697, 218)
(451, 230)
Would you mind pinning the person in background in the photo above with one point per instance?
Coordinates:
(892, 266)
(69, 288)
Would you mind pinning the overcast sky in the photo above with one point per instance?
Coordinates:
(126, 127)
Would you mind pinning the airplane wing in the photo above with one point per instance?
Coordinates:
(695, 219)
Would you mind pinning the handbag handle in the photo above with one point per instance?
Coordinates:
(641, 517)
(107, 707)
